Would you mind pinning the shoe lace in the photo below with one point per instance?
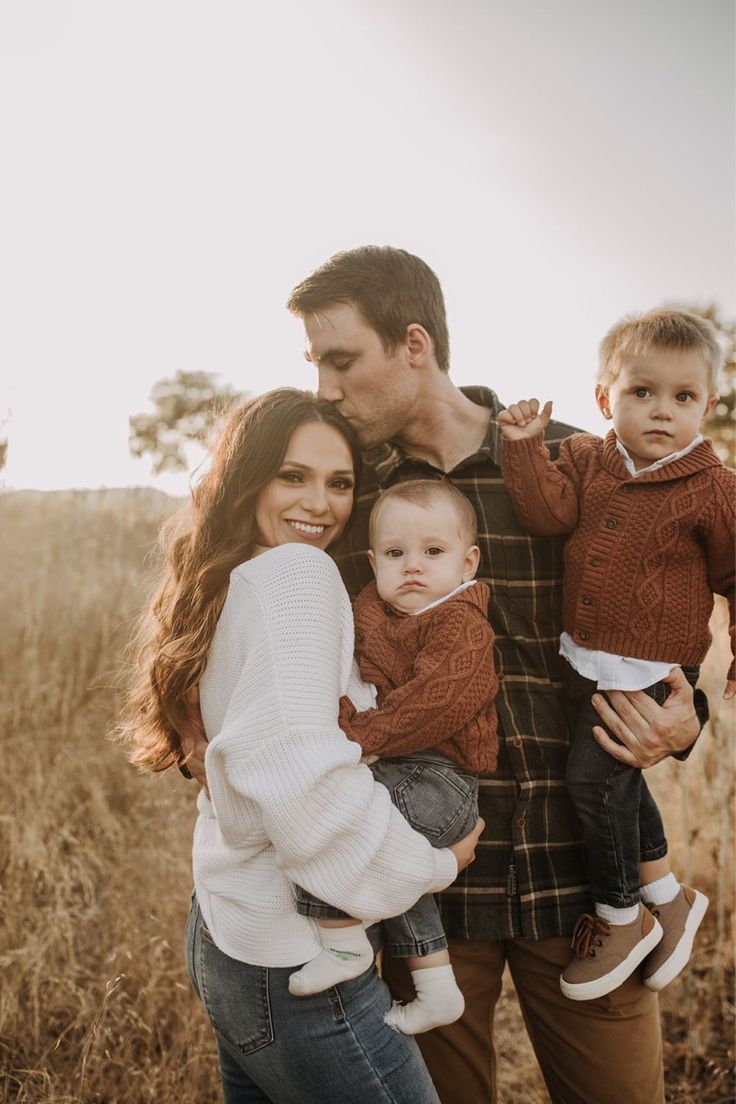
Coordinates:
(587, 935)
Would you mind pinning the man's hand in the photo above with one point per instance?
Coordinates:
(193, 740)
(648, 732)
(524, 419)
(464, 849)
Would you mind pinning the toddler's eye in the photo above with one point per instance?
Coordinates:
(435, 551)
(683, 396)
(641, 392)
(394, 553)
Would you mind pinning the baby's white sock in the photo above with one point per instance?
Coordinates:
(346, 954)
(438, 1001)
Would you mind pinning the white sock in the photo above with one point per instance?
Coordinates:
(346, 953)
(438, 1001)
(662, 891)
(616, 916)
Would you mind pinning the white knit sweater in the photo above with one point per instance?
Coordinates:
(290, 801)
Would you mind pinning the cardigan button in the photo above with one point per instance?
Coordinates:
(595, 561)
(587, 600)
(583, 635)
(611, 523)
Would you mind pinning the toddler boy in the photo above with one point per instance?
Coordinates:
(650, 510)
(423, 639)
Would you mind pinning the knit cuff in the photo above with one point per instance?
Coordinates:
(445, 869)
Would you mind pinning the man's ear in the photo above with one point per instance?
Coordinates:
(472, 560)
(419, 344)
(372, 560)
(601, 397)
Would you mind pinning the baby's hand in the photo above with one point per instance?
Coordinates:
(524, 419)
(730, 691)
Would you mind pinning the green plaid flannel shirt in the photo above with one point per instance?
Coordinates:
(528, 879)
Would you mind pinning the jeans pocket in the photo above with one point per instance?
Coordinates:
(442, 804)
(235, 995)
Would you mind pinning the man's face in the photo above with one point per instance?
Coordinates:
(373, 389)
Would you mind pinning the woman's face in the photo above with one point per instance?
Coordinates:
(310, 498)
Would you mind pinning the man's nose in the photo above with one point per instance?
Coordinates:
(328, 385)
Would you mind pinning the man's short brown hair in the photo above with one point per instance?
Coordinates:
(659, 329)
(425, 492)
(390, 287)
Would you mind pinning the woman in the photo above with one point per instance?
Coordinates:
(252, 610)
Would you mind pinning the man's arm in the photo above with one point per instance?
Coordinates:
(648, 732)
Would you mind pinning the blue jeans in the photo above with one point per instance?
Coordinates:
(619, 819)
(438, 799)
(331, 1048)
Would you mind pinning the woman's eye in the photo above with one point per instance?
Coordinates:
(290, 476)
(343, 484)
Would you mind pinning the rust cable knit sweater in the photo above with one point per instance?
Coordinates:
(435, 677)
(646, 554)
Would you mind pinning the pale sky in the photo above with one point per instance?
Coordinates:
(171, 168)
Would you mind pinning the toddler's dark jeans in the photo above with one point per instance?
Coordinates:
(619, 819)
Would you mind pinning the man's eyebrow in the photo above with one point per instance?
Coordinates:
(328, 355)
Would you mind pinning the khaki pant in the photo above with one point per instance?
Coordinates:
(607, 1051)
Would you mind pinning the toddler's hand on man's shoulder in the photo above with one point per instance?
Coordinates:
(524, 419)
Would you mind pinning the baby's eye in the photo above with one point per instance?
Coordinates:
(434, 551)
(641, 392)
(394, 553)
(683, 396)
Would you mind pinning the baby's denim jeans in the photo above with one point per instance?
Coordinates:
(438, 799)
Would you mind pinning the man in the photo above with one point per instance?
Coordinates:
(376, 332)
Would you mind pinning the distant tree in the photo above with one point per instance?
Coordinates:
(719, 425)
(3, 453)
(185, 409)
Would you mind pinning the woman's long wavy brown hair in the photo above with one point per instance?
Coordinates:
(202, 545)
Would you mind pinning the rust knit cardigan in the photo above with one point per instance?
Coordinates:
(435, 677)
(646, 553)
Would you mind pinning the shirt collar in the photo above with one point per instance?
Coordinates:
(631, 468)
(386, 459)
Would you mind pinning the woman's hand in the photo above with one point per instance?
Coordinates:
(464, 849)
(193, 740)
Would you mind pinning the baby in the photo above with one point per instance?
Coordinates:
(650, 510)
(423, 638)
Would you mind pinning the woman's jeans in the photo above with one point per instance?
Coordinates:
(330, 1048)
(619, 819)
(438, 799)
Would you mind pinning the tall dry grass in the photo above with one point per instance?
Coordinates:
(95, 859)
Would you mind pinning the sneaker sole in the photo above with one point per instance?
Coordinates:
(589, 990)
(680, 957)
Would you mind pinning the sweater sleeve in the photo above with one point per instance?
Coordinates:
(454, 679)
(720, 551)
(545, 491)
(282, 754)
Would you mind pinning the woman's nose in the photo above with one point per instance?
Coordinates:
(315, 499)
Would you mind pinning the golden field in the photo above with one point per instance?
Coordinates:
(95, 875)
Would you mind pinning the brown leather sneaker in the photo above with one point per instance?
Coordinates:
(606, 954)
(680, 920)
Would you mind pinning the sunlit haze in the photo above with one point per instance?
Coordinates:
(172, 169)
